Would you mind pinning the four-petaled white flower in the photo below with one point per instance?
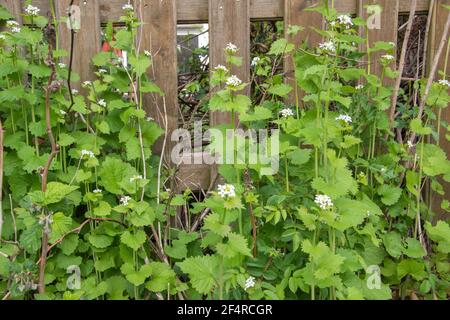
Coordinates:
(327, 46)
(14, 25)
(226, 190)
(287, 112)
(323, 201)
(128, 8)
(255, 61)
(410, 144)
(234, 81)
(232, 48)
(32, 10)
(345, 20)
(102, 103)
(343, 117)
(388, 57)
(88, 153)
(221, 68)
(97, 191)
(249, 283)
(147, 53)
(124, 200)
(134, 178)
(444, 82)
(359, 87)
(87, 84)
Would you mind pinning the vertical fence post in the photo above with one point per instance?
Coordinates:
(381, 26)
(159, 36)
(14, 7)
(87, 42)
(440, 17)
(229, 21)
(295, 14)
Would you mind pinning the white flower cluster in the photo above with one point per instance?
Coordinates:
(128, 8)
(102, 71)
(102, 103)
(255, 61)
(359, 87)
(87, 84)
(32, 11)
(249, 283)
(134, 178)
(327, 46)
(221, 67)
(343, 117)
(13, 25)
(287, 113)
(410, 144)
(323, 201)
(88, 153)
(231, 48)
(444, 82)
(234, 81)
(74, 91)
(63, 113)
(61, 65)
(124, 200)
(226, 190)
(97, 191)
(388, 57)
(345, 20)
(147, 53)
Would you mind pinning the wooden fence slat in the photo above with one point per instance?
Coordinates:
(295, 14)
(159, 36)
(387, 32)
(87, 42)
(14, 7)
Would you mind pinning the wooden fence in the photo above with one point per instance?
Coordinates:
(229, 21)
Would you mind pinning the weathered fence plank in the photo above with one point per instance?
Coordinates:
(295, 14)
(159, 36)
(194, 11)
(14, 7)
(387, 30)
(87, 41)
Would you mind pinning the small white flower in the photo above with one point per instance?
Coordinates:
(32, 11)
(102, 103)
(62, 112)
(134, 178)
(327, 46)
(74, 91)
(226, 190)
(221, 67)
(232, 48)
(97, 191)
(249, 283)
(88, 153)
(359, 87)
(343, 117)
(128, 8)
(15, 30)
(234, 81)
(285, 113)
(345, 20)
(383, 169)
(62, 65)
(87, 84)
(388, 57)
(12, 24)
(323, 201)
(444, 82)
(333, 23)
(410, 144)
(102, 71)
(255, 61)
(2, 37)
(149, 119)
(124, 200)
(147, 53)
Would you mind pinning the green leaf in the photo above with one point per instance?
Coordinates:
(61, 226)
(162, 277)
(136, 277)
(100, 241)
(414, 249)
(134, 240)
(213, 223)
(140, 64)
(236, 244)
(113, 172)
(417, 127)
(393, 243)
(411, 267)
(281, 46)
(202, 271)
(65, 140)
(389, 194)
(57, 191)
(440, 234)
(260, 113)
(69, 244)
(300, 156)
(281, 90)
(103, 209)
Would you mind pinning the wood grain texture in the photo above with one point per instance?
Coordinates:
(295, 14)
(159, 36)
(87, 42)
(194, 11)
(14, 7)
(387, 33)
